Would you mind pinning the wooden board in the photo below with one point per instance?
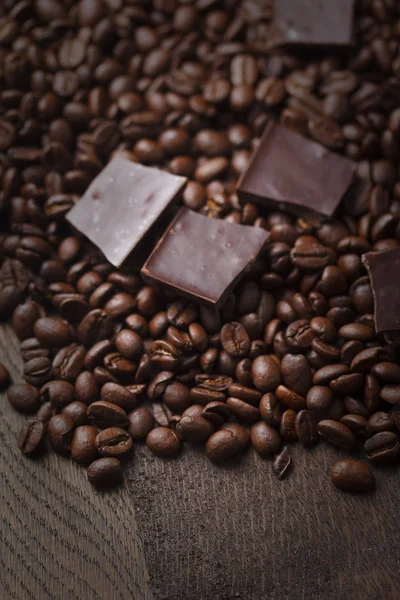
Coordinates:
(197, 531)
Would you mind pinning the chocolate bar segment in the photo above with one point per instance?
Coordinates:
(290, 172)
(384, 273)
(122, 204)
(312, 22)
(203, 258)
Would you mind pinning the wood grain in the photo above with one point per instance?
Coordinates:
(59, 537)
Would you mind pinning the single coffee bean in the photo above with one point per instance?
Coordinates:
(45, 412)
(177, 396)
(329, 373)
(288, 425)
(38, 371)
(391, 393)
(194, 429)
(365, 360)
(129, 343)
(222, 445)
(217, 413)
(113, 441)
(161, 414)
(270, 409)
(244, 393)
(68, 362)
(380, 421)
(24, 397)
(289, 398)
(59, 392)
(281, 464)
(388, 371)
(243, 411)
(95, 355)
(119, 395)
(319, 398)
(219, 383)
(86, 388)
(83, 449)
(52, 332)
(235, 339)
(204, 396)
(265, 373)
(24, 318)
(94, 327)
(352, 475)
(77, 411)
(31, 436)
(382, 448)
(336, 434)
(141, 422)
(60, 429)
(159, 384)
(240, 432)
(106, 414)
(306, 427)
(105, 472)
(265, 439)
(296, 373)
(4, 376)
(163, 442)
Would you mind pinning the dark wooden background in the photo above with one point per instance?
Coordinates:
(187, 530)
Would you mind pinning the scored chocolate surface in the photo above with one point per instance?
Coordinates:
(203, 258)
(290, 172)
(384, 273)
(122, 204)
(313, 22)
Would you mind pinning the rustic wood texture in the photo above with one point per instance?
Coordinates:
(60, 539)
(207, 532)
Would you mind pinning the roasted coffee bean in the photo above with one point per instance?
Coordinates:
(265, 373)
(59, 392)
(177, 396)
(77, 411)
(366, 359)
(83, 448)
(68, 362)
(235, 339)
(281, 464)
(141, 422)
(223, 445)
(352, 475)
(86, 388)
(24, 318)
(391, 393)
(380, 421)
(119, 395)
(287, 427)
(105, 472)
(382, 448)
(163, 442)
(243, 411)
(45, 412)
(306, 427)
(4, 376)
(265, 439)
(356, 423)
(60, 429)
(164, 354)
(204, 396)
(118, 365)
(329, 373)
(52, 332)
(159, 384)
(94, 327)
(239, 431)
(113, 442)
(24, 397)
(270, 409)
(31, 436)
(296, 373)
(129, 343)
(249, 395)
(336, 434)
(347, 384)
(218, 383)
(319, 398)
(289, 398)
(38, 371)
(194, 429)
(217, 413)
(95, 355)
(105, 414)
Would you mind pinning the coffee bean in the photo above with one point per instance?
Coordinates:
(356, 423)
(319, 398)
(265, 439)
(177, 396)
(391, 393)
(380, 421)
(141, 422)
(105, 472)
(106, 414)
(296, 373)
(38, 371)
(24, 318)
(194, 429)
(95, 355)
(306, 427)
(77, 411)
(336, 434)
(352, 475)
(24, 397)
(289, 398)
(217, 413)
(235, 339)
(58, 392)
(265, 373)
(222, 445)
(249, 395)
(68, 362)
(382, 448)
(119, 395)
(388, 371)
(83, 449)
(60, 429)
(163, 442)
(281, 464)
(159, 384)
(243, 411)
(287, 428)
(86, 388)
(94, 327)
(113, 442)
(4, 376)
(31, 436)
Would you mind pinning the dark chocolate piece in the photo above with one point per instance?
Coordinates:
(290, 172)
(203, 258)
(122, 204)
(384, 273)
(311, 22)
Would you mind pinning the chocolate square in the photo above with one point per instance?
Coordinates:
(290, 172)
(384, 273)
(203, 258)
(312, 22)
(122, 204)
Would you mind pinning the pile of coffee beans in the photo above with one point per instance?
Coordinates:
(189, 86)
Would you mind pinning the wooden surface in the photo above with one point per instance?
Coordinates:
(199, 531)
